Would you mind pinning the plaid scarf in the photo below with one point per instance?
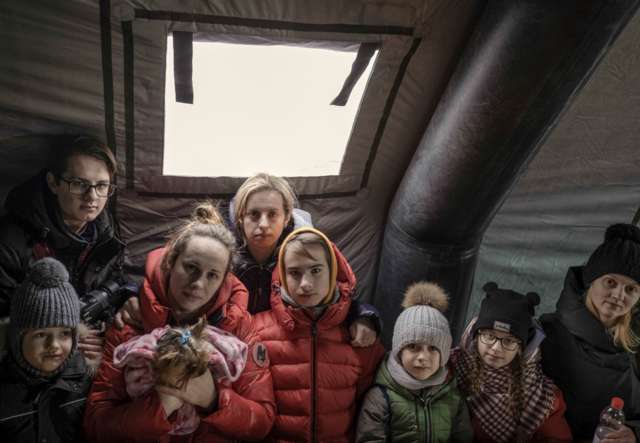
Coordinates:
(490, 404)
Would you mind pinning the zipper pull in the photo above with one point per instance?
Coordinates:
(314, 329)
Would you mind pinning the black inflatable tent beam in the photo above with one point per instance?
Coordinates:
(524, 66)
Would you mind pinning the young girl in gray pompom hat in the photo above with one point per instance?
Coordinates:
(415, 397)
(42, 377)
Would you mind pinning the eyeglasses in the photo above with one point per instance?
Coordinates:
(507, 343)
(81, 188)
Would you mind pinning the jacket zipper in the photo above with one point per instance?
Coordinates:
(426, 418)
(314, 331)
(259, 292)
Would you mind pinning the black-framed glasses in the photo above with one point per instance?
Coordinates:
(81, 188)
(507, 343)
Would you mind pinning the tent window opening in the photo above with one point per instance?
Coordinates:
(280, 108)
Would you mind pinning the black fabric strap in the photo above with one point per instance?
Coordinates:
(230, 196)
(107, 73)
(636, 218)
(271, 24)
(365, 53)
(387, 111)
(127, 38)
(183, 66)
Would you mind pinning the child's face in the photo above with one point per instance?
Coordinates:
(307, 279)
(494, 352)
(264, 219)
(46, 349)
(421, 360)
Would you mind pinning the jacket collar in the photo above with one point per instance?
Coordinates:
(335, 314)
(154, 304)
(572, 312)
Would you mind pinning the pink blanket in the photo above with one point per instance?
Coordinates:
(228, 359)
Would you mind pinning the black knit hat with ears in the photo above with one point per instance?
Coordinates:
(507, 311)
(619, 254)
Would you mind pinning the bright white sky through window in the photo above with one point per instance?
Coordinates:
(260, 109)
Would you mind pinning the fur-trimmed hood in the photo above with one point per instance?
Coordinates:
(83, 330)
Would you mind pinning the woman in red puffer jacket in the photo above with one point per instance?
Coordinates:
(317, 374)
(184, 281)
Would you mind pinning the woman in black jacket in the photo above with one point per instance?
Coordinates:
(590, 349)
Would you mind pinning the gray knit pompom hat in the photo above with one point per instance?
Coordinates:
(422, 320)
(45, 299)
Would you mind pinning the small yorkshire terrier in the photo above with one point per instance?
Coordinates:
(173, 356)
(182, 354)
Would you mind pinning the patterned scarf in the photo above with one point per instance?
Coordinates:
(490, 404)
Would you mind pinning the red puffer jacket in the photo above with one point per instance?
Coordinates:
(245, 411)
(317, 374)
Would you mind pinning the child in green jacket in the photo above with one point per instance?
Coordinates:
(415, 397)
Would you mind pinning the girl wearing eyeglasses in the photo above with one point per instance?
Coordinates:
(497, 364)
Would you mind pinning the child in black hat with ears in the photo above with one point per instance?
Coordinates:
(497, 364)
(43, 384)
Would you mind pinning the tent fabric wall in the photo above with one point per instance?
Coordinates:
(350, 208)
(58, 75)
(585, 177)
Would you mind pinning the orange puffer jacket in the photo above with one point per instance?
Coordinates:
(245, 409)
(317, 374)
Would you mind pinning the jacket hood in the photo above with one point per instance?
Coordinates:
(154, 304)
(76, 365)
(573, 314)
(34, 203)
(335, 314)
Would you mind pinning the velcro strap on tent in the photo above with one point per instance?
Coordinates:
(183, 66)
(365, 53)
(636, 218)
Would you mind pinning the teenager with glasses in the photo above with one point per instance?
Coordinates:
(62, 213)
(497, 364)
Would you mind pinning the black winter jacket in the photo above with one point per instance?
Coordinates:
(32, 211)
(579, 355)
(38, 410)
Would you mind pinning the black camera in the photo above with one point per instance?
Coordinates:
(97, 305)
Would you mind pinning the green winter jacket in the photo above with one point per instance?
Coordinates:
(440, 418)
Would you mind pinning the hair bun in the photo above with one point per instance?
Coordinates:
(622, 231)
(207, 213)
(426, 294)
(48, 273)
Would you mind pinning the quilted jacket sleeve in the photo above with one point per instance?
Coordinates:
(246, 411)
(372, 425)
(109, 415)
(555, 429)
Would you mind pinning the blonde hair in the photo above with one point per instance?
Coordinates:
(517, 388)
(205, 221)
(621, 331)
(176, 363)
(297, 243)
(259, 182)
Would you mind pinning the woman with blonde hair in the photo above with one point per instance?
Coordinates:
(591, 345)
(184, 281)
